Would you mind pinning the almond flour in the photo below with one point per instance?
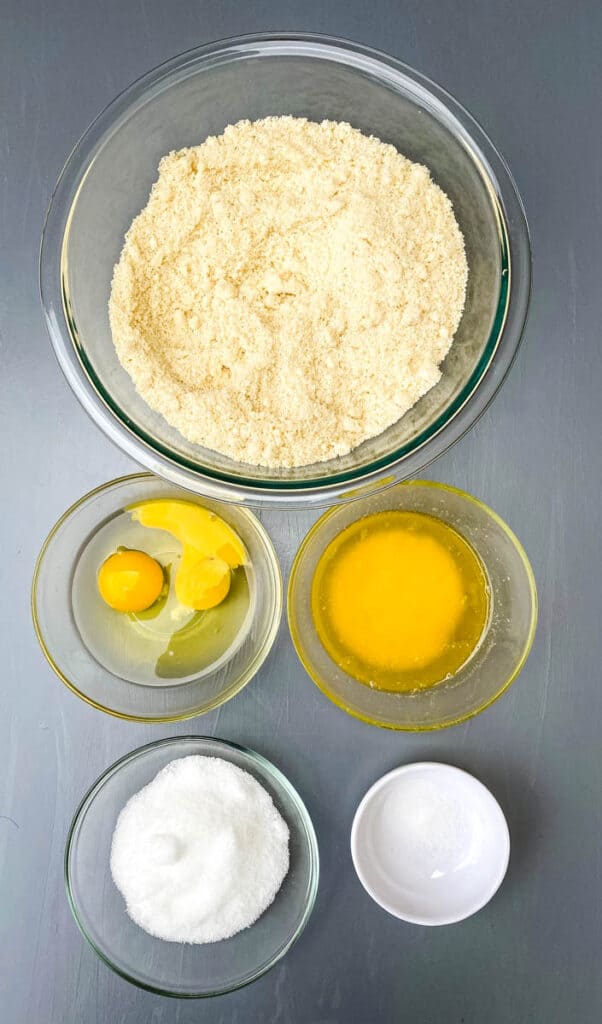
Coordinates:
(289, 290)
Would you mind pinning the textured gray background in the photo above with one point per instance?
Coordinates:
(530, 72)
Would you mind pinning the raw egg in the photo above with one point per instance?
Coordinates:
(210, 549)
(130, 581)
(202, 583)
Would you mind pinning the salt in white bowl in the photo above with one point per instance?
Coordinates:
(430, 843)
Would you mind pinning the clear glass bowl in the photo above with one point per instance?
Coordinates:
(106, 182)
(503, 649)
(172, 968)
(56, 620)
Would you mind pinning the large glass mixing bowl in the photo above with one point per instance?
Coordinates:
(107, 180)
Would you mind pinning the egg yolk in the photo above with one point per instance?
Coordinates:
(210, 549)
(130, 581)
(202, 583)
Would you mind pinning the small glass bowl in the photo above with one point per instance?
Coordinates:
(172, 968)
(502, 651)
(106, 182)
(61, 641)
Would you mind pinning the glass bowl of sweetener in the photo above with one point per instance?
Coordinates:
(285, 269)
(191, 866)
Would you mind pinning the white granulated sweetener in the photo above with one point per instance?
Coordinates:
(289, 290)
(200, 852)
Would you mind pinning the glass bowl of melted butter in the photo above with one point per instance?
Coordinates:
(414, 608)
(153, 605)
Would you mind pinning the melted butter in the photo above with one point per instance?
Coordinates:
(399, 600)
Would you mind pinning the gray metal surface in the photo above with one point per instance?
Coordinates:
(531, 73)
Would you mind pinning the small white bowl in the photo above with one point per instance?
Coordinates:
(430, 843)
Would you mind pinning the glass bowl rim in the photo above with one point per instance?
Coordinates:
(461, 414)
(275, 773)
(245, 678)
(313, 532)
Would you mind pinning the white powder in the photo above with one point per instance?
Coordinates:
(428, 822)
(199, 853)
(289, 290)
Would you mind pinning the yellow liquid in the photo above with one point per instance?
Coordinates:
(399, 600)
